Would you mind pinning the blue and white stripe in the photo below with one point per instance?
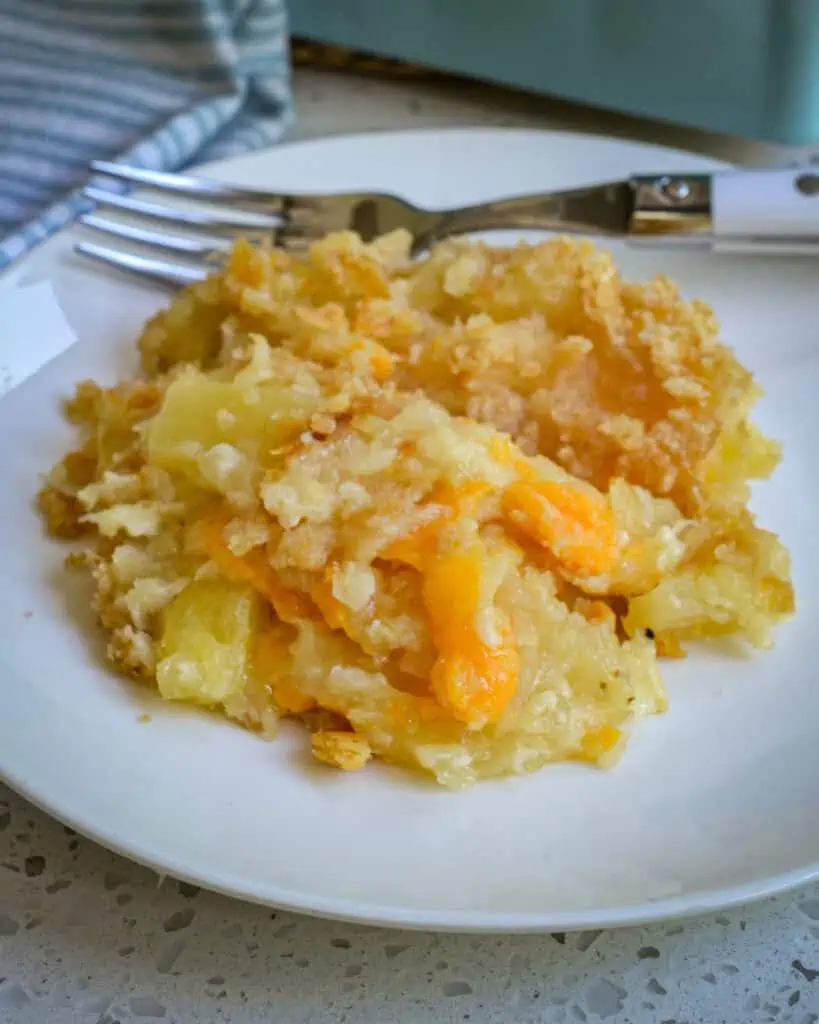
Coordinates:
(154, 83)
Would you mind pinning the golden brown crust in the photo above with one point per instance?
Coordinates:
(131, 651)
(345, 750)
(62, 514)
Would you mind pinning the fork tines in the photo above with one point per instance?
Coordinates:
(209, 227)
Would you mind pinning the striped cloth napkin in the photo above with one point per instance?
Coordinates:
(154, 83)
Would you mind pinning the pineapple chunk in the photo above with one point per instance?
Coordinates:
(199, 413)
(206, 642)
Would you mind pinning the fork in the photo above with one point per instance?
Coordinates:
(772, 210)
(292, 222)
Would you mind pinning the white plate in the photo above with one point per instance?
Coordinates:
(713, 803)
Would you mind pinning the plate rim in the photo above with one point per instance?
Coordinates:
(663, 908)
(382, 915)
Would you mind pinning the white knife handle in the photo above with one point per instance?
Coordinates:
(766, 207)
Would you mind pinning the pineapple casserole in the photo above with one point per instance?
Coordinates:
(446, 513)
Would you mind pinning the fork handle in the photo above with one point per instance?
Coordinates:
(605, 207)
(771, 211)
(752, 211)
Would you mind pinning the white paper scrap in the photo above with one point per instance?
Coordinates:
(33, 331)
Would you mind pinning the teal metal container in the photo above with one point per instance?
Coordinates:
(743, 67)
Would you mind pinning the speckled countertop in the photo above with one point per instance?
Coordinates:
(87, 937)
